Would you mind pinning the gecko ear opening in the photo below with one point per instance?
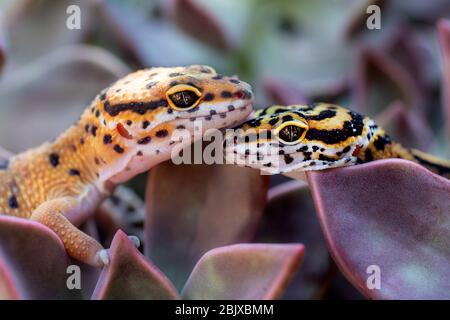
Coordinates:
(123, 131)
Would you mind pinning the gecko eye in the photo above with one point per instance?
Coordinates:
(183, 97)
(291, 132)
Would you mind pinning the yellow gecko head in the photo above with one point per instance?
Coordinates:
(138, 114)
(281, 139)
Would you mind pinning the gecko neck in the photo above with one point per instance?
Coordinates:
(383, 148)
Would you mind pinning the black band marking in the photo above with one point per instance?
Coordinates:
(136, 107)
(351, 128)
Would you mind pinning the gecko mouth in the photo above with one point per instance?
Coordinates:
(225, 115)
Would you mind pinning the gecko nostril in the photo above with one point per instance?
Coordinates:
(239, 94)
(243, 94)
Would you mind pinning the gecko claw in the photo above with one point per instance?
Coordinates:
(135, 240)
(103, 257)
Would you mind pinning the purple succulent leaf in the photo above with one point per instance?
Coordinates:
(380, 80)
(36, 259)
(444, 39)
(392, 214)
(244, 271)
(8, 290)
(406, 49)
(199, 23)
(130, 276)
(202, 214)
(290, 217)
(282, 93)
(405, 126)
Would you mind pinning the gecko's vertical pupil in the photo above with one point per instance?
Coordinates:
(184, 99)
(291, 133)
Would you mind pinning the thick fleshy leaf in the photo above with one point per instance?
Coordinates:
(444, 39)
(390, 214)
(130, 276)
(199, 23)
(36, 259)
(406, 127)
(73, 76)
(7, 288)
(380, 81)
(189, 212)
(290, 217)
(244, 271)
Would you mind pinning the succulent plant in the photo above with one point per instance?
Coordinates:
(218, 231)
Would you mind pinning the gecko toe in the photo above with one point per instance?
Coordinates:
(135, 240)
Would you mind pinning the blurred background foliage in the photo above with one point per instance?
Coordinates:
(291, 51)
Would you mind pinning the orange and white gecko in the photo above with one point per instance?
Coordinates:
(126, 130)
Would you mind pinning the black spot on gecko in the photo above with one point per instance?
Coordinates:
(287, 118)
(97, 113)
(235, 81)
(226, 94)
(86, 128)
(94, 131)
(307, 156)
(12, 202)
(381, 142)
(217, 77)
(175, 74)
(118, 149)
(208, 97)
(315, 148)
(74, 172)
(129, 122)
(162, 133)
(325, 114)
(303, 149)
(145, 124)
(346, 149)
(54, 159)
(273, 121)
(326, 158)
(151, 84)
(107, 138)
(231, 107)
(288, 159)
(144, 140)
